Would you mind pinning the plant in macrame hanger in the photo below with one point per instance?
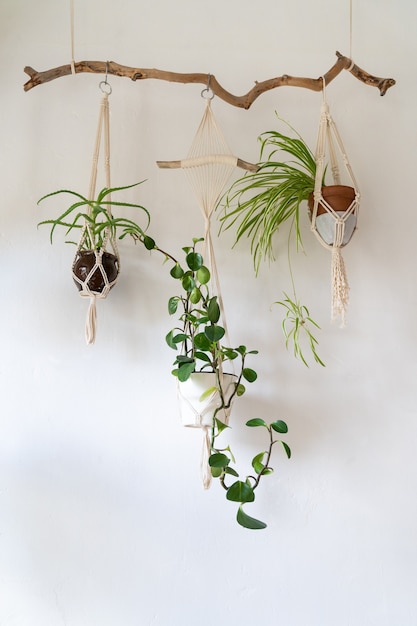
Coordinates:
(208, 166)
(333, 209)
(96, 265)
(207, 380)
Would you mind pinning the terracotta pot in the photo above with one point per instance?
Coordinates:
(84, 263)
(196, 412)
(340, 198)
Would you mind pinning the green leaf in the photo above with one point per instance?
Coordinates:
(213, 310)
(256, 421)
(185, 371)
(170, 340)
(214, 333)
(286, 448)
(218, 460)
(188, 282)
(207, 393)
(202, 342)
(247, 521)
(257, 464)
(177, 271)
(231, 472)
(249, 374)
(149, 243)
(195, 295)
(240, 492)
(221, 426)
(279, 426)
(173, 304)
(203, 275)
(194, 261)
(240, 389)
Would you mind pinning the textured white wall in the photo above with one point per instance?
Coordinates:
(102, 516)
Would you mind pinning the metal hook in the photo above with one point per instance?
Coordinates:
(208, 90)
(105, 85)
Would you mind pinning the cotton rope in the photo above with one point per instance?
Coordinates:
(72, 36)
(208, 166)
(329, 136)
(86, 239)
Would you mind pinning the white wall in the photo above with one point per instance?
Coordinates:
(102, 516)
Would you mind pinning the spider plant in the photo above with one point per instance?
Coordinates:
(258, 203)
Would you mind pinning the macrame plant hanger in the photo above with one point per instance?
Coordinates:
(98, 272)
(208, 167)
(334, 208)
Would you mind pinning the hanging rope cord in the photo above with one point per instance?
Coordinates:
(208, 166)
(87, 239)
(329, 136)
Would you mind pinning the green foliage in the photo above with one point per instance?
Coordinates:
(97, 214)
(197, 341)
(198, 334)
(297, 324)
(243, 491)
(258, 203)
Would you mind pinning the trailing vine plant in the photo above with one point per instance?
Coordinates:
(197, 339)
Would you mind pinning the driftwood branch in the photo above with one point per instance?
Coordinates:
(184, 163)
(244, 102)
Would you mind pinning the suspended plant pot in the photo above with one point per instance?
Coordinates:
(96, 269)
(333, 209)
(200, 399)
(96, 265)
(337, 200)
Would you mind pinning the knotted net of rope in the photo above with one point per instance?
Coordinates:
(208, 167)
(100, 264)
(334, 208)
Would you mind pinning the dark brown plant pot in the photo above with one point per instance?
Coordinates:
(84, 263)
(339, 197)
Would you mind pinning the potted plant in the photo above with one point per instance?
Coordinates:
(94, 268)
(206, 389)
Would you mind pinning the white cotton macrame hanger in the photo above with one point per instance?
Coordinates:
(208, 166)
(87, 235)
(334, 208)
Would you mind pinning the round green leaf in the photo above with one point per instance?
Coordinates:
(194, 261)
(203, 275)
(173, 305)
(185, 371)
(149, 242)
(218, 460)
(195, 295)
(188, 282)
(240, 492)
(202, 342)
(249, 374)
(177, 271)
(279, 426)
(214, 333)
(256, 421)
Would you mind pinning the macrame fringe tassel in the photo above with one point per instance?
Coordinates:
(91, 321)
(340, 287)
(205, 454)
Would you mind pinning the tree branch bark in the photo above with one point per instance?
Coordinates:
(244, 102)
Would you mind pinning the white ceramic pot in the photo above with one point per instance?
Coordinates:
(326, 227)
(196, 412)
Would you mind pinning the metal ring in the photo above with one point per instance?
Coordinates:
(207, 90)
(108, 88)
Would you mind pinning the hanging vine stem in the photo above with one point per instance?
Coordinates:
(243, 102)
